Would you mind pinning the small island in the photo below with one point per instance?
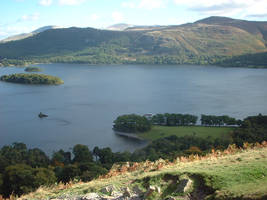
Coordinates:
(33, 69)
(41, 79)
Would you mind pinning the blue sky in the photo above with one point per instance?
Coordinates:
(19, 16)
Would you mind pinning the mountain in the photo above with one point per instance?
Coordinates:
(253, 27)
(26, 35)
(230, 174)
(207, 41)
(119, 27)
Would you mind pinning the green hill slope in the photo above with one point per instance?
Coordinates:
(232, 174)
(206, 41)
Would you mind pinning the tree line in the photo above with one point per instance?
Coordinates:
(173, 119)
(224, 120)
(136, 123)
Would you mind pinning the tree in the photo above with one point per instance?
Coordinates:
(21, 178)
(68, 173)
(132, 123)
(44, 176)
(96, 151)
(90, 170)
(61, 157)
(82, 153)
(37, 158)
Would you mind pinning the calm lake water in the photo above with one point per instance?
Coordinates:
(82, 110)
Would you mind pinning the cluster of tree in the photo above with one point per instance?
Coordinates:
(174, 119)
(32, 79)
(14, 62)
(171, 147)
(23, 170)
(132, 123)
(117, 56)
(253, 129)
(212, 120)
(257, 60)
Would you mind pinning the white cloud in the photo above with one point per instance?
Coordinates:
(70, 2)
(145, 4)
(3, 34)
(151, 4)
(94, 17)
(128, 4)
(241, 8)
(31, 17)
(45, 2)
(117, 16)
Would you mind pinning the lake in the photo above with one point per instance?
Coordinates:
(82, 110)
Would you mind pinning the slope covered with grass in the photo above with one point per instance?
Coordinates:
(158, 132)
(231, 174)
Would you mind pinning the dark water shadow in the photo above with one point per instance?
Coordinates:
(61, 122)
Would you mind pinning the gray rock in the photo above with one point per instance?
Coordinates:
(127, 192)
(150, 190)
(111, 190)
(137, 190)
(158, 189)
(170, 198)
(184, 185)
(91, 196)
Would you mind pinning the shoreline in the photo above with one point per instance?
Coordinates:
(130, 135)
(212, 65)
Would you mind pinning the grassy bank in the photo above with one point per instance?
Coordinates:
(158, 132)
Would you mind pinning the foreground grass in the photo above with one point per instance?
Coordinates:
(241, 175)
(158, 132)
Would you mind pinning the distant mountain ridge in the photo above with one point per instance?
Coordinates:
(207, 41)
(26, 35)
(119, 27)
(254, 27)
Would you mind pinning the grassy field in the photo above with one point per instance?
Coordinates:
(158, 132)
(241, 174)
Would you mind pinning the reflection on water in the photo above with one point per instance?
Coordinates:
(61, 122)
(82, 110)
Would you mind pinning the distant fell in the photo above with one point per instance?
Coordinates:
(208, 41)
(26, 35)
(253, 27)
